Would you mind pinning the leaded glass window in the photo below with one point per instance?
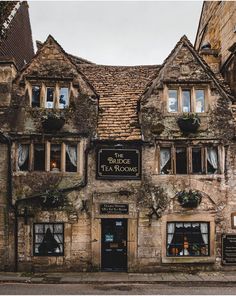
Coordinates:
(48, 239)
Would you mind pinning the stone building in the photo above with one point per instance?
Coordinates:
(116, 168)
(216, 38)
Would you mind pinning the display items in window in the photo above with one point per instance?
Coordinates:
(63, 98)
(55, 162)
(36, 96)
(50, 97)
(173, 101)
(187, 239)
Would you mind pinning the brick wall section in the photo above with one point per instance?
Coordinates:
(18, 43)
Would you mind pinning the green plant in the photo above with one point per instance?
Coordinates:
(52, 198)
(191, 116)
(189, 198)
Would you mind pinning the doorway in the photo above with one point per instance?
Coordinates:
(114, 245)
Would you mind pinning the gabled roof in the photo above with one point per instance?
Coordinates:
(119, 89)
(217, 79)
(35, 66)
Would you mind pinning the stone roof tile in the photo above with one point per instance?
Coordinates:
(119, 88)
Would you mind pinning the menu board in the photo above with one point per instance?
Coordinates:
(229, 249)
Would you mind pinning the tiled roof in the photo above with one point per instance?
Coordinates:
(119, 89)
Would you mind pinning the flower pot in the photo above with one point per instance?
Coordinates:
(53, 124)
(189, 125)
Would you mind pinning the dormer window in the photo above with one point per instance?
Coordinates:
(186, 100)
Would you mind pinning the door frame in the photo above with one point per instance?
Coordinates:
(126, 238)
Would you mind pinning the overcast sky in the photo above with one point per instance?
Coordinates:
(116, 32)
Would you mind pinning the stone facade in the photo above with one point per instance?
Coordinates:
(217, 27)
(110, 178)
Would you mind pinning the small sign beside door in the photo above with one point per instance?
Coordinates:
(114, 209)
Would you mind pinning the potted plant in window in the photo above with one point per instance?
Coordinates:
(189, 122)
(189, 199)
(53, 121)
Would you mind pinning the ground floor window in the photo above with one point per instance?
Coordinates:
(187, 239)
(48, 239)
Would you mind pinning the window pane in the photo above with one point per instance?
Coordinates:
(35, 96)
(64, 98)
(49, 98)
(173, 100)
(23, 157)
(39, 158)
(200, 100)
(165, 160)
(186, 101)
(181, 161)
(197, 160)
(55, 163)
(212, 160)
(190, 239)
(48, 242)
(71, 158)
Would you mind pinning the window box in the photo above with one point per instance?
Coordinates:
(189, 122)
(189, 199)
(53, 123)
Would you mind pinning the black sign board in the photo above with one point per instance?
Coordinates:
(229, 249)
(114, 209)
(118, 164)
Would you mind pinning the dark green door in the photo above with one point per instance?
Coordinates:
(114, 244)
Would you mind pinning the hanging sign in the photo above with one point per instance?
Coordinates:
(118, 164)
(229, 249)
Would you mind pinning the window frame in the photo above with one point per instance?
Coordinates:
(192, 89)
(43, 93)
(203, 217)
(172, 146)
(47, 150)
(191, 222)
(63, 234)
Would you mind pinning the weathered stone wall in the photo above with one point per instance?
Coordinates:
(217, 26)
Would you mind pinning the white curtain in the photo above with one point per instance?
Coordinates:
(72, 153)
(171, 231)
(204, 232)
(164, 157)
(212, 157)
(23, 152)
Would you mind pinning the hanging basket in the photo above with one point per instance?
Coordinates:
(189, 123)
(189, 199)
(53, 123)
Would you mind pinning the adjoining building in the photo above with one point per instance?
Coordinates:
(117, 168)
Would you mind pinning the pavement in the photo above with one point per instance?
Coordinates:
(175, 278)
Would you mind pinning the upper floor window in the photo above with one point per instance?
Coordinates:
(48, 157)
(186, 100)
(189, 160)
(49, 96)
